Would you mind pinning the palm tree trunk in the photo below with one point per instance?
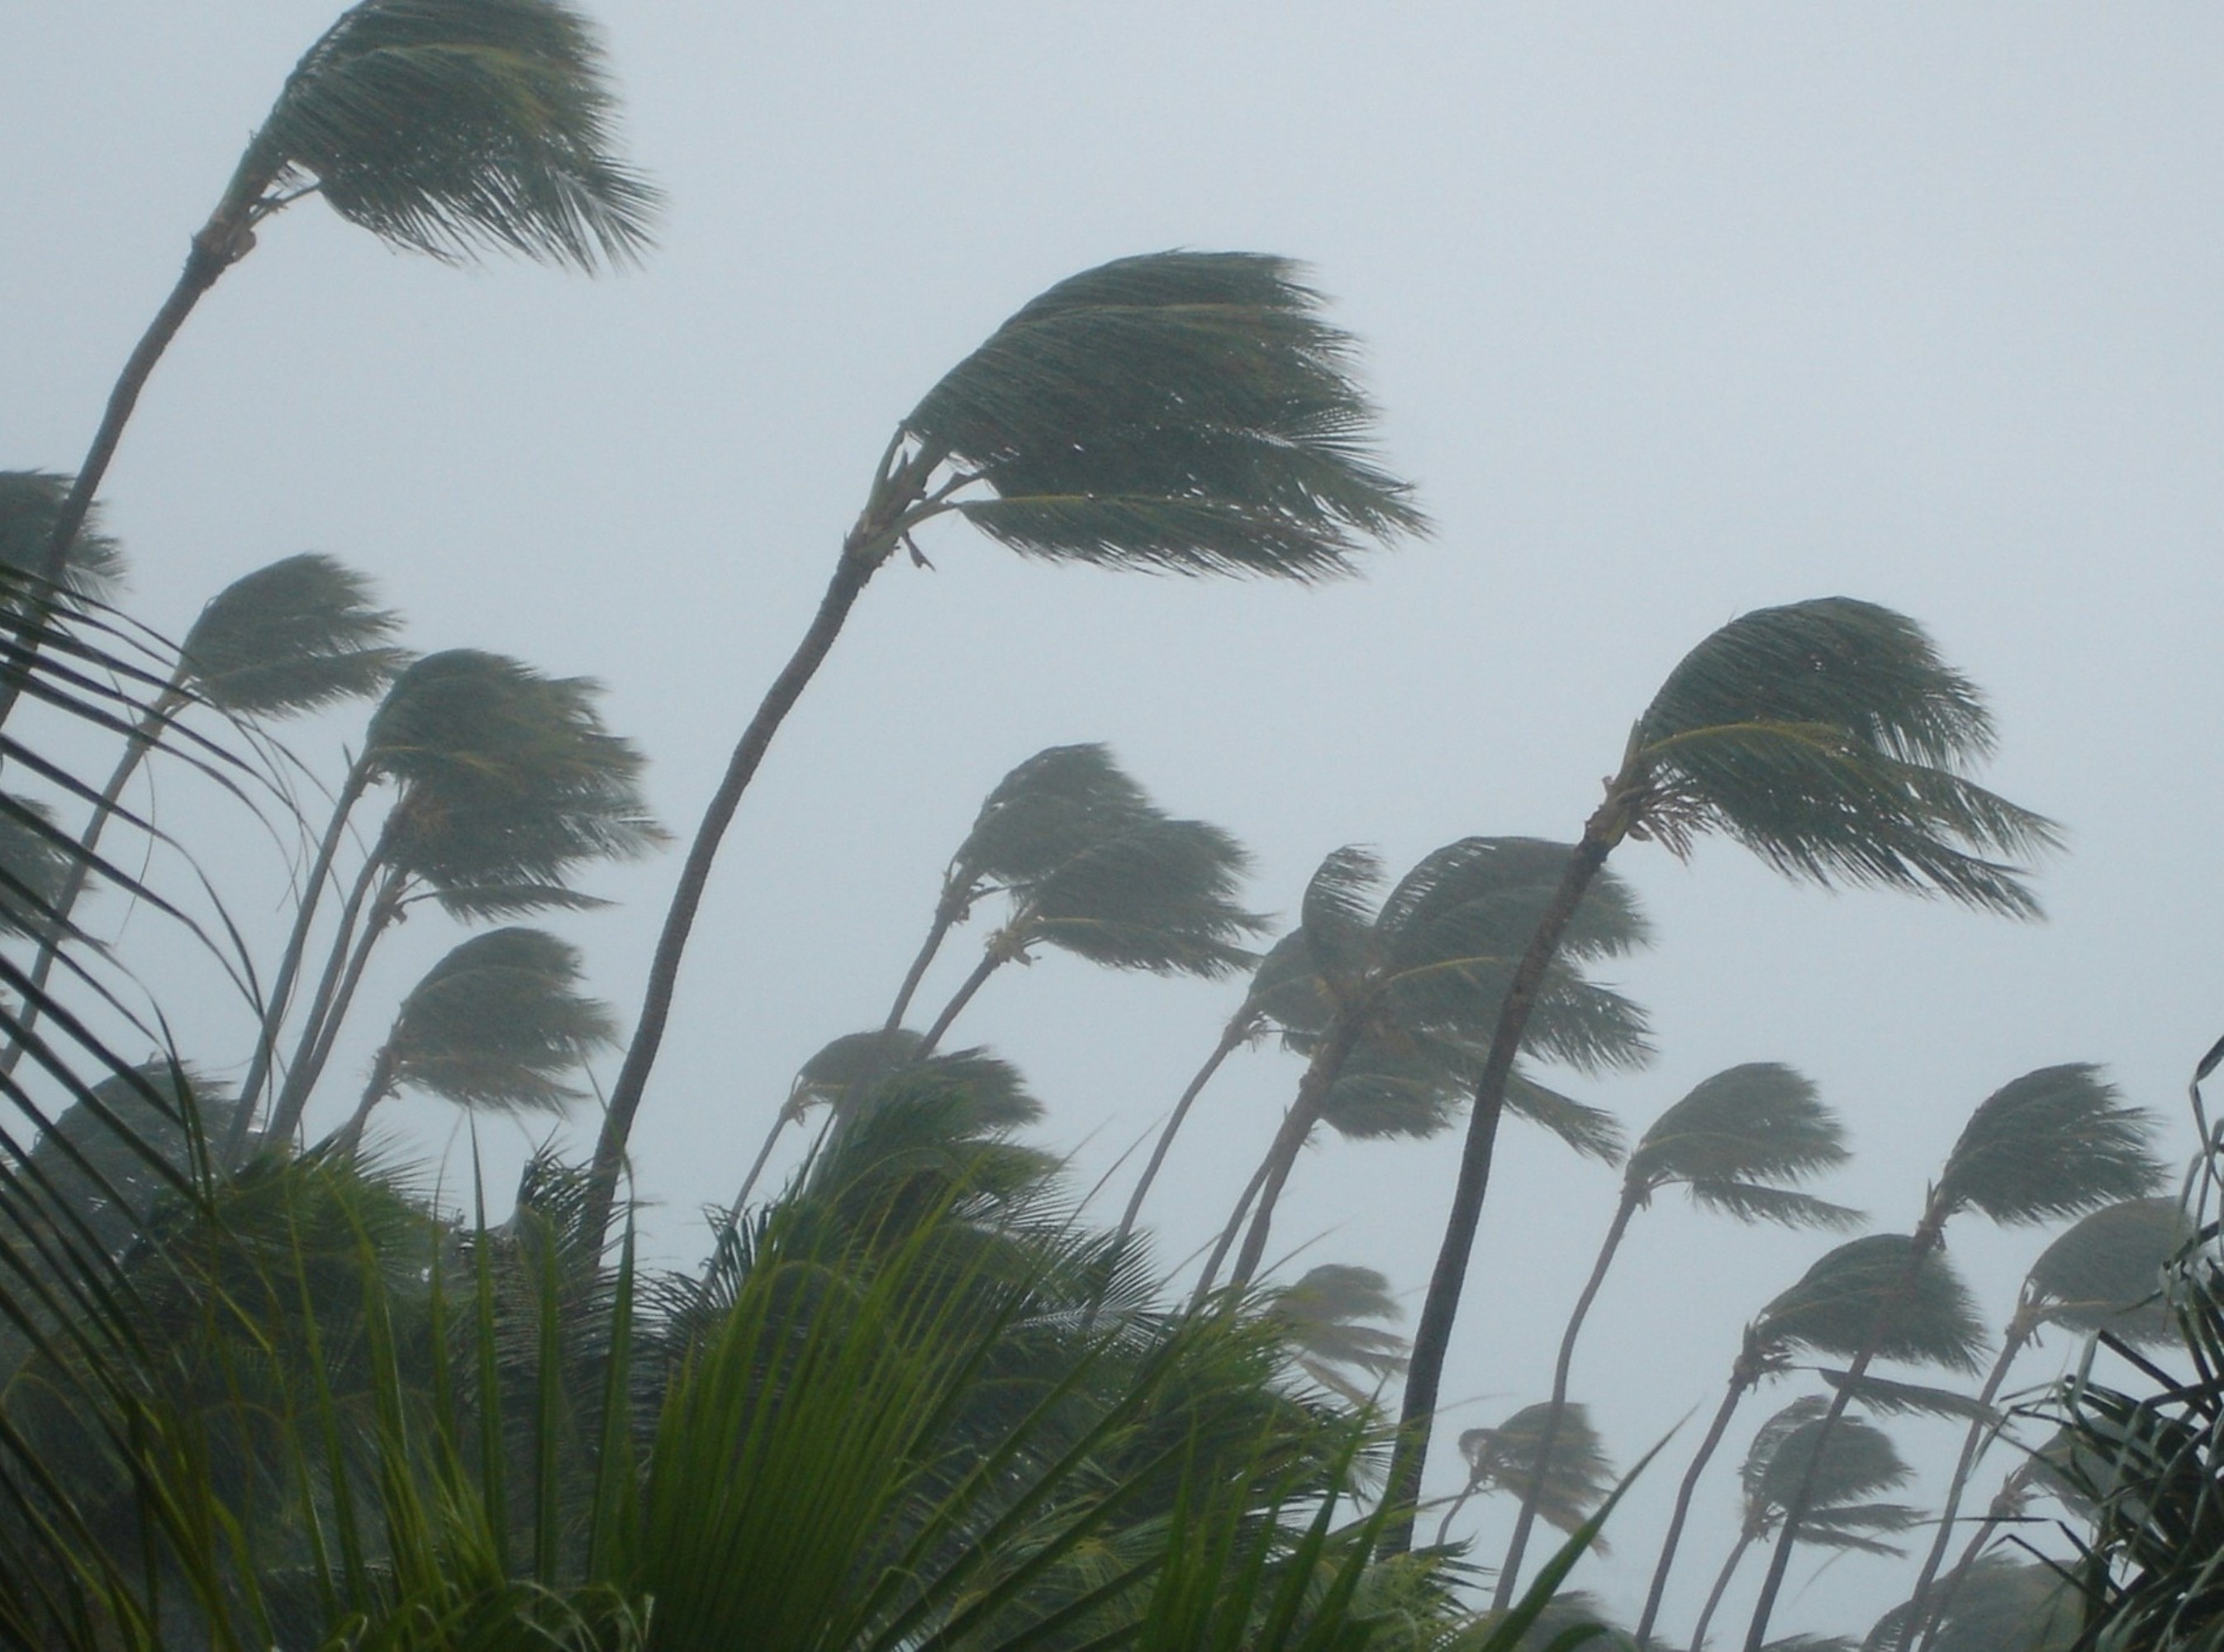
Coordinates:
(1432, 1336)
(1444, 1526)
(292, 1090)
(1320, 1075)
(861, 557)
(2011, 1345)
(349, 1135)
(325, 1026)
(1509, 1570)
(2003, 1505)
(991, 961)
(1230, 1040)
(1743, 1375)
(1721, 1587)
(787, 1116)
(945, 916)
(289, 966)
(1227, 1239)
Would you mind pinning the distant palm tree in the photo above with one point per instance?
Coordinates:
(1324, 1319)
(1829, 738)
(1727, 1144)
(1850, 1466)
(2006, 1605)
(2105, 1273)
(1834, 1310)
(293, 637)
(1574, 1468)
(442, 126)
(1432, 961)
(1182, 411)
(2057, 1142)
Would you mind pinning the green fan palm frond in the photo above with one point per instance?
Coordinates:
(298, 634)
(30, 501)
(1834, 1308)
(2056, 1142)
(2106, 1273)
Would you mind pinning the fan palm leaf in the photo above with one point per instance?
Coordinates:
(1180, 411)
(1831, 740)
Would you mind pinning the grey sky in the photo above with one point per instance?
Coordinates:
(1673, 313)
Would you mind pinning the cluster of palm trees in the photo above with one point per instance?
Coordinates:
(262, 1388)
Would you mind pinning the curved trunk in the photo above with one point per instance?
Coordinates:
(1432, 1336)
(1230, 1040)
(787, 1116)
(945, 916)
(2011, 1345)
(309, 1061)
(1721, 1587)
(349, 1135)
(991, 961)
(293, 1089)
(1227, 1238)
(1509, 1571)
(1320, 1075)
(1444, 1526)
(1743, 1376)
(857, 565)
(2003, 1505)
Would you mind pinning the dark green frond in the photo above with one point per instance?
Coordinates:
(1285, 988)
(1180, 410)
(1578, 1475)
(851, 1071)
(1159, 895)
(98, 1170)
(2106, 1273)
(1857, 1460)
(1045, 812)
(473, 901)
(1592, 1131)
(2005, 1604)
(455, 126)
(1829, 738)
(300, 634)
(1748, 1201)
(36, 860)
(1385, 1092)
(1323, 1318)
(2056, 1142)
(1834, 1308)
(1757, 1121)
(28, 499)
(498, 1023)
(1889, 1398)
(1335, 919)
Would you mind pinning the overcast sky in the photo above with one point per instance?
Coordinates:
(1673, 313)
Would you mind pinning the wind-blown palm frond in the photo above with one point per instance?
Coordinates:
(2106, 1273)
(1578, 1475)
(1323, 1317)
(29, 500)
(1045, 812)
(2056, 1142)
(450, 126)
(36, 865)
(1757, 1121)
(1157, 895)
(846, 1071)
(1829, 738)
(299, 634)
(1833, 1308)
(2001, 1605)
(1858, 1460)
(97, 1166)
(1181, 411)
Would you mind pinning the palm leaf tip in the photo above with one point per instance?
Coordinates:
(1830, 739)
(2056, 1142)
(451, 127)
(28, 502)
(1184, 411)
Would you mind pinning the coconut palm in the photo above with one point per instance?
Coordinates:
(1829, 738)
(1326, 1317)
(295, 636)
(2006, 1605)
(1182, 411)
(2104, 1273)
(1574, 1468)
(1850, 1466)
(2057, 1142)
(447, 127)
(1728, 1145)
(1929, 1319)
(1430, 961)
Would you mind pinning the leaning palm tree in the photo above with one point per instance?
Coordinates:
(1729, 1144)
(1834, 1310)
(293, 637)
(1330, 1321)
(2103, 1273)
(2057, 1142)
(446, 127)
(1850, 1466)
(1182, 411)
(1829, 738)
(1574, 1468)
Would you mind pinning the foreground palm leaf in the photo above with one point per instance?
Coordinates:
(1829, 738)
(1180, 410)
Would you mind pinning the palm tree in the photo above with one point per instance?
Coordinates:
(1429, 962)
(2057, 1142)
(1573, 1468)
(1829, 738)
(1324, 1320)
(1850, 1466)
(1181, 412)
(295, 636)
(1727, 1144)
(1834, 1308)
(2104, 1273)
(445, 127)
(2006, 1605)
(498, 1024)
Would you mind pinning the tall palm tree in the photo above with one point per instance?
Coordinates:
(1728, 1145)
(1573, 1467)
(1850, 1466)
(445, 127)
(1183, 412)
(1829, 738)
(293, 637)
(2104, 1273)
(2057, 1142)
(1834, 1308)
(1431, 961)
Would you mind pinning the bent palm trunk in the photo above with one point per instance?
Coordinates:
(1297, 1126)
(1972, 1442)
(1230, 1040)
(1743, 1375)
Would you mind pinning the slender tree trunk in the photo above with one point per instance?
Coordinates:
(1297, 1125)
(289, 966)
(1444, 1526)
(2011, 1345)
(1721, 1587)
(945, 916)
(1509, 1571)
(1432, 1336)
(2003, 1505)
(349, 1135)
(1230, 1040)
(787, 1116)
(292, 1092)
(991, 961)
(309, 1060)
(1743, 1375)
(1227, 1239)
(862, 556)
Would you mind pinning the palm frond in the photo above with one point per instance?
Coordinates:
(849, 1072)
(1187, 412)
(1833, 1308)
(449, 127)
(1592, 1131)
(1856, 1460)
(1760, 1121)
(1335, 919)
(36, 861)
(1324, 1315)
(2106, 1273)
(1045, 812)
(29, 502)
(1830, 738)
(298, 634)
(1159, 895)
(2056, 1142)
(1578, 1475)
(2002, 1604)
(1889, 1398)
(1748, 1201)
